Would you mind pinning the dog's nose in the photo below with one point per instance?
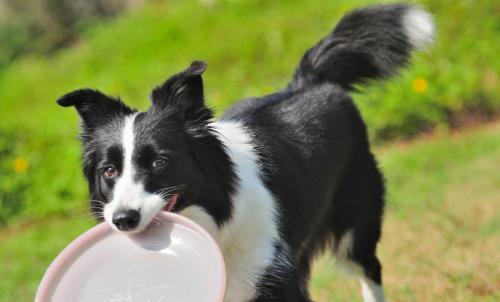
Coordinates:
(126, 219)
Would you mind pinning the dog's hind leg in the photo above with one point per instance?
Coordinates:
(364, 265)
(370, 277)
(356, 223)
(372, 291)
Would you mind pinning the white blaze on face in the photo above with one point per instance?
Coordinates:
(128, 194)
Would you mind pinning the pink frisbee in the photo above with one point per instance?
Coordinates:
(174, 259)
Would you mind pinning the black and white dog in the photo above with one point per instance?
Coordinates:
(278, 178)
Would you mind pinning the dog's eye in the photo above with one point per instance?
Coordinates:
(110, 172)
(159, 162)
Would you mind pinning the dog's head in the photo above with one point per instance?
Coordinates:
(167, 158)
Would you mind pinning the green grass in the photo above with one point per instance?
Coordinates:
(28, 249)
(440, 240)
(440, 237)
(252, 48)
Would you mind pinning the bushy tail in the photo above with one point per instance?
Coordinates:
(369, 43)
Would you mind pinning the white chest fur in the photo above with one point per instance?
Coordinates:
(248, 239)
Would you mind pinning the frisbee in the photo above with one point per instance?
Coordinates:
(174, 259)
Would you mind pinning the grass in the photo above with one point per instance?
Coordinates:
(442, 221)
(440, 239)
(441, 233)
(252, 48)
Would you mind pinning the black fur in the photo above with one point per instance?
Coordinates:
(366, 44)
(102, 119)
(175, 127)
(317, 158)
(311, 140)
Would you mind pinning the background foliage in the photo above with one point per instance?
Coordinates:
(252, 48)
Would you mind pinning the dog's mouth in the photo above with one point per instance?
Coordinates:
(174, 204)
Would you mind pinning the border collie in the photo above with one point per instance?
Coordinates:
(278, 178)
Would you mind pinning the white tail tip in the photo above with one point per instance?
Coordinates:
(419, 27)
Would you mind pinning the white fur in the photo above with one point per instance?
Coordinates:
(342, 252)
(247, 239)
(128, 194)
(371, 291)
(419, 27)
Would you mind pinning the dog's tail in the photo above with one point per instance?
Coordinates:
(369, 43)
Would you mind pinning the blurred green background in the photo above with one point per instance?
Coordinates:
(435, 127)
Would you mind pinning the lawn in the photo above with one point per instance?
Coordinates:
(441, 235)
(252, 48)
(440, 240)
(442, 225)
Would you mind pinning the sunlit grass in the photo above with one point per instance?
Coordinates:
(442, 222)
(440, 242)
(252, 48)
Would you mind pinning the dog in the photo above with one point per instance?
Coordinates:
(278, 178)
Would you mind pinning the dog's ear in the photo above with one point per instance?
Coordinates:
(183, 93)
(94, 107)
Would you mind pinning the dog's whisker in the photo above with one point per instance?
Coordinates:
(97, 207)
(98, 201)
(170, 189)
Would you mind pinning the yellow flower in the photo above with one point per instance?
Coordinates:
(20, 165)
(420, 85)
